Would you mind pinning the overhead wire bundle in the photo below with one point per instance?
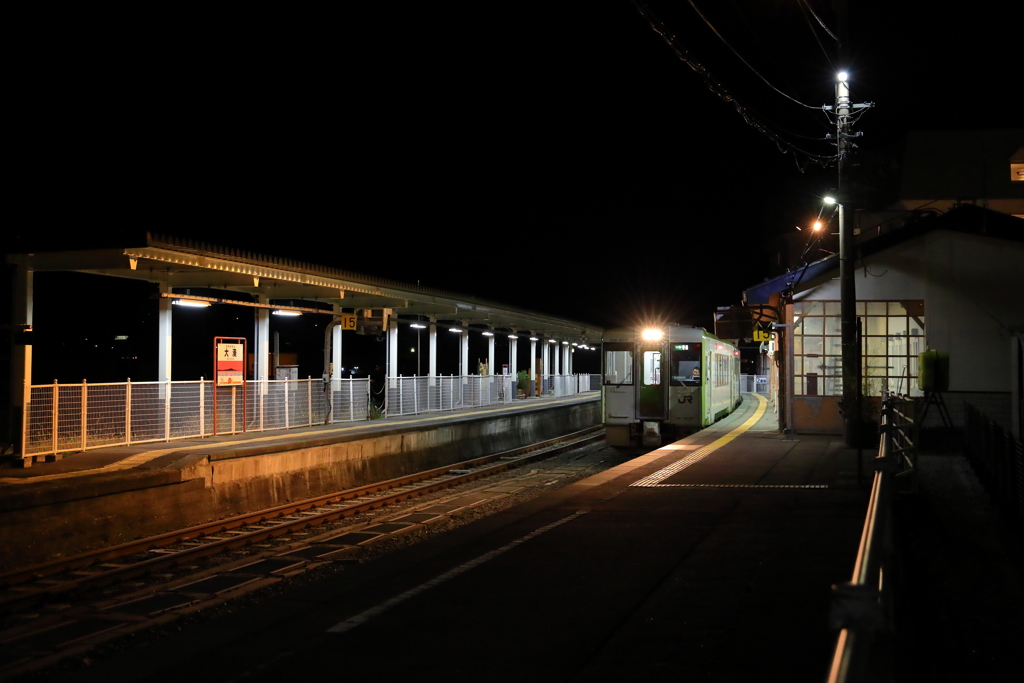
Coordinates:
(802, 157)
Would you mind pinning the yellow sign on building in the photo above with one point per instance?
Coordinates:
(762, 332)
(348, 321)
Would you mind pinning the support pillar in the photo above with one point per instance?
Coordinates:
(490, 356)
(533, 365)
(392, 368)
(261, 366)
(464, 353)
(336, 338)
(544, 353)
(432, 353)
(163, 368)
(20, 390)
(558, 354)
(513, 364)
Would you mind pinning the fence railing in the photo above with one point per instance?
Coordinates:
(755, 384)
(65, 417)
(415, 395)
(73, 417)
(862, 608)
(998, 460)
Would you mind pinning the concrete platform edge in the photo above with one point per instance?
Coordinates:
(40, 521)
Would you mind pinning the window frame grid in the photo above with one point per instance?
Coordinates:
(827, 356)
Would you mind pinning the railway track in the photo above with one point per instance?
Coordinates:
(49, 589)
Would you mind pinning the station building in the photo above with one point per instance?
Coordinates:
(935, 271)
(951, 282)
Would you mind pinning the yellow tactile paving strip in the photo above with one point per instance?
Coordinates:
(664, 473)
(142, 458)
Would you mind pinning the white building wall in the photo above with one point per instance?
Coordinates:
(975, 295)
(973, 289)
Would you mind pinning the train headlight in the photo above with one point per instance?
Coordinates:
(651, 334)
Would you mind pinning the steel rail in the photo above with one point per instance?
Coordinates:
(406, 487)
(859, 606)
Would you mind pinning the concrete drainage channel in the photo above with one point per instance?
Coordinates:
(61, 631)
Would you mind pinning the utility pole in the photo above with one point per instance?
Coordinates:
(847, 283)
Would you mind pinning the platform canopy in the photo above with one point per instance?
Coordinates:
(193, 270)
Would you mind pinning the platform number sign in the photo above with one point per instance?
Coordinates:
(230, 364)
(763, 332)
(348, 321)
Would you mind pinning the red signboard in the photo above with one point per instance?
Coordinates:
(229, 371)
(230, 364)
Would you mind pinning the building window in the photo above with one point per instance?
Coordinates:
(892, 334)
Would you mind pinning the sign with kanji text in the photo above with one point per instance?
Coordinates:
(230, 364)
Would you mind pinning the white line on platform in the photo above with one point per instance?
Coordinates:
(365, 616)
(742, 486)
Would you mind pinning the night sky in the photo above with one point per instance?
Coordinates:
(554, 156)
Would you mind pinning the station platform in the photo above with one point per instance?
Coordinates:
(106, 496)
(170, 454)
(710, 559)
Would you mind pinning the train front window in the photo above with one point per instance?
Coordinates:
(618, 363)
(652, 368)
(686, 365)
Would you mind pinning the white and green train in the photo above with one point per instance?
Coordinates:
(665, 383)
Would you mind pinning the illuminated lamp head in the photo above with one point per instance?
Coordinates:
(651, 334)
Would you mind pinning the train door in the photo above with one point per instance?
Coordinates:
(652, 389)
(711, 378)
(618, 391)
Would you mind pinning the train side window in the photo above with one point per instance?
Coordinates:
(618, 363)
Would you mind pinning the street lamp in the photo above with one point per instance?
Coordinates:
(848, 323)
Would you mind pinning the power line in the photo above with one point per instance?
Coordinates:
(805, 9)
(740, 57)
(715, 86)
(768, 54)
(820, 22)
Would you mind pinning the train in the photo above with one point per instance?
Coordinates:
(665, 382)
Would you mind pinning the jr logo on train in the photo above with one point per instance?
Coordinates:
(663, 383)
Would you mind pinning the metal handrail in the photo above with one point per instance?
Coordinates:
(860, 606)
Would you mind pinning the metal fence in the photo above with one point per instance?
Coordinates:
(73, 417)
(862, 608)
(414, 395)
(998, 460)
(755, 384)
(66, 417)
